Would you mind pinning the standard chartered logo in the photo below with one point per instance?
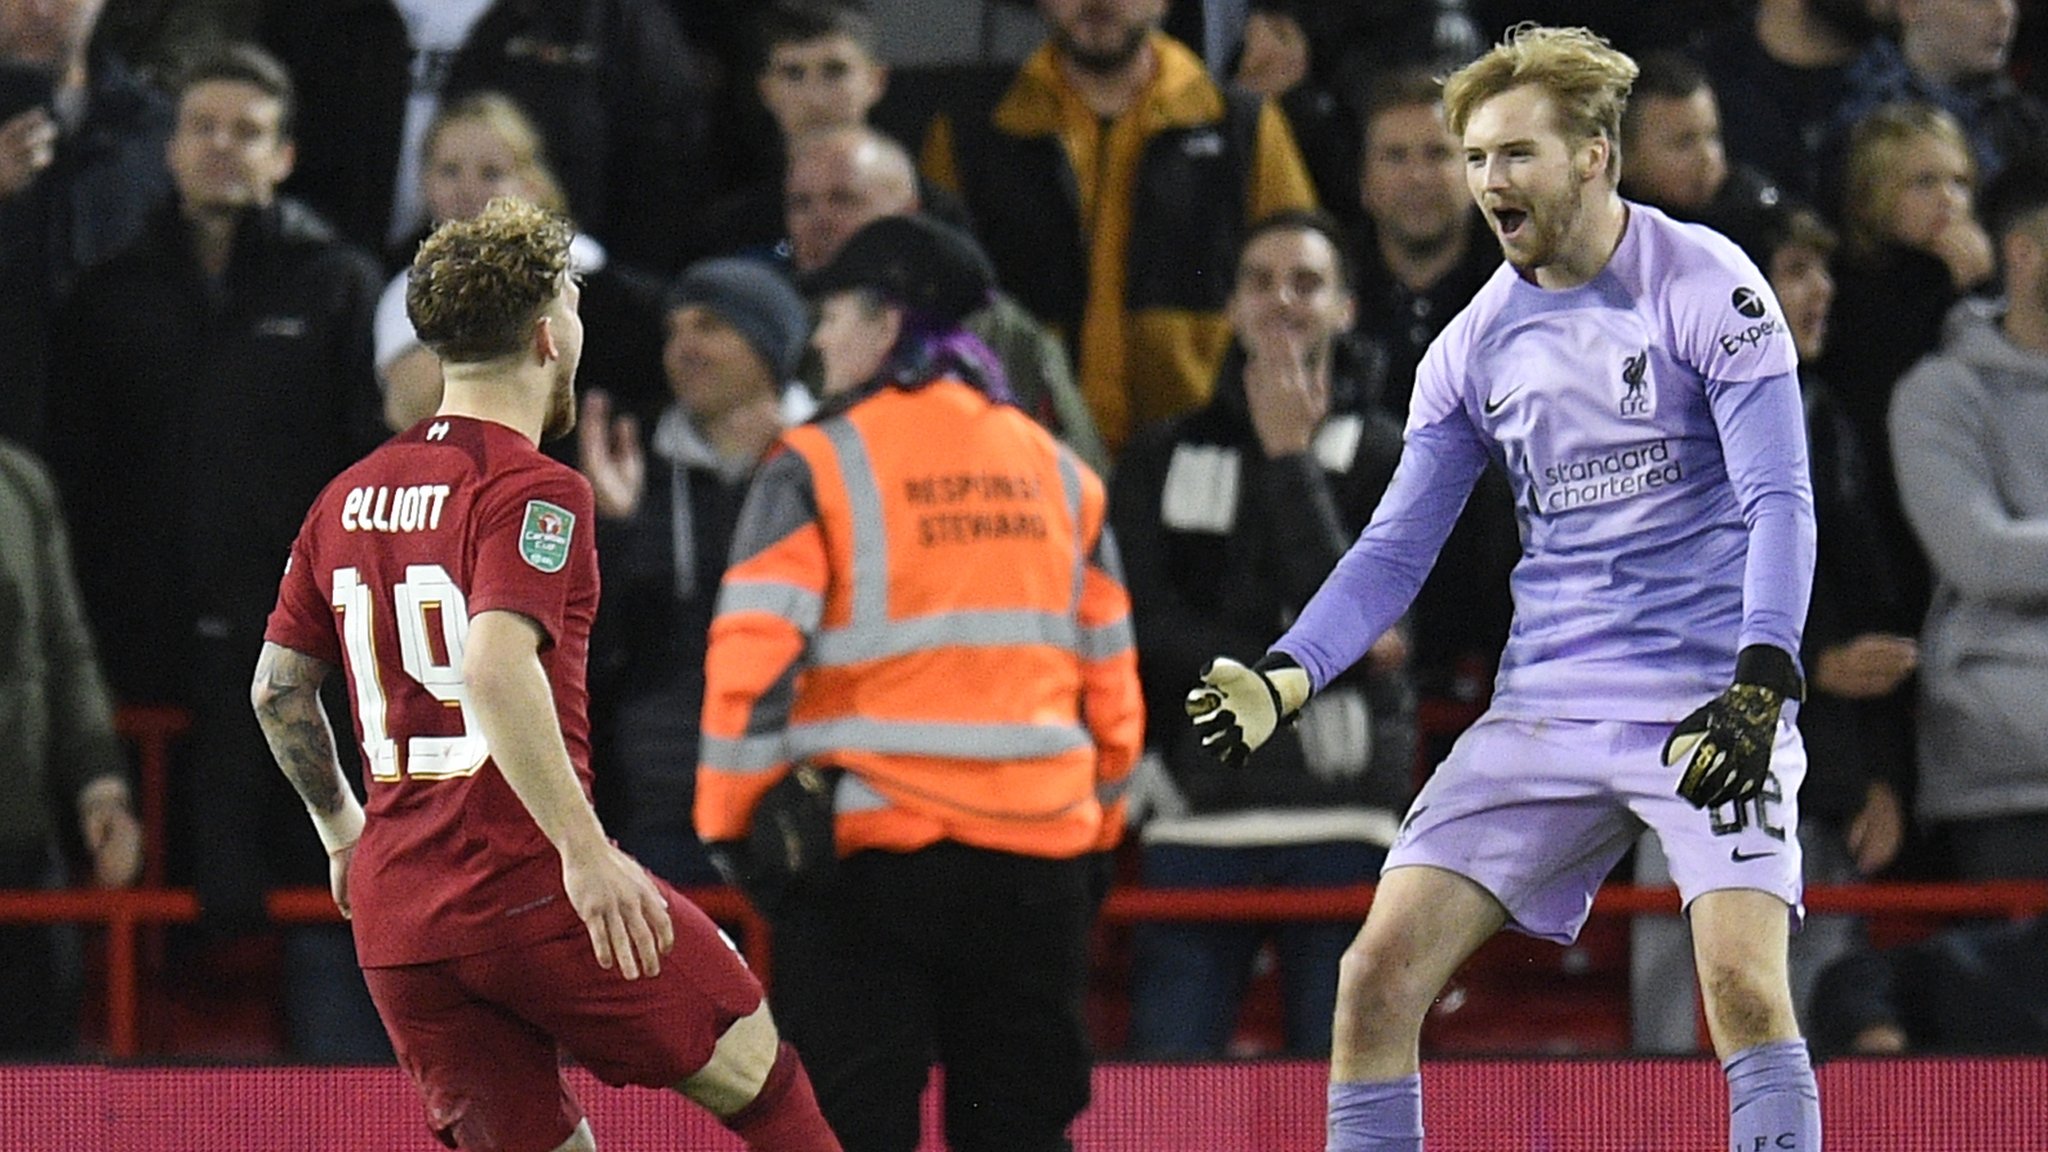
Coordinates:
(1616, 475)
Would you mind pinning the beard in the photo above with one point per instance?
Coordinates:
(1422, 243)
(561, 415)
(1101, 61)
(1548, 231)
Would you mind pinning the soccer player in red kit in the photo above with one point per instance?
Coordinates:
(452, 574)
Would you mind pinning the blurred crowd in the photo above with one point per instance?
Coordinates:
(1223, 234)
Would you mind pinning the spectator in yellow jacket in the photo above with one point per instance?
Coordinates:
(1113, 182)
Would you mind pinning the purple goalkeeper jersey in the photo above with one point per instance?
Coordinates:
(1650, 424)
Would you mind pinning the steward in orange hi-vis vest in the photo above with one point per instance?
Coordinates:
(921, 709)
(921, 594)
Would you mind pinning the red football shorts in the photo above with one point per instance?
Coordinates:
(481, 1035)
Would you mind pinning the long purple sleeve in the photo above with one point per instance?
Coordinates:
(1650, 425)
(1375, 580)
(1763, 437)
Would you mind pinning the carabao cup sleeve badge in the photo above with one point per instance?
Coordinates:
(544, 538)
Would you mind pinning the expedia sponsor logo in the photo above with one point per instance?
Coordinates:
(1750, 337)
(1749, 302)
(1616, 475)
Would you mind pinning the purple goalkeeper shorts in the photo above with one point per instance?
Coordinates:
(1537, 812)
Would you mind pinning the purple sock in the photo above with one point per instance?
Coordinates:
(1773, 1104)
(1378, 1116)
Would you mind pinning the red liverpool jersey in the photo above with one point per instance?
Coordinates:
(454, 517)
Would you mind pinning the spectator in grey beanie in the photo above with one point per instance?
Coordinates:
(756, 301)
(666, 512)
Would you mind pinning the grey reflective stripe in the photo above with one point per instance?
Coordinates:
(781, 500)
(857, 795)
(1106, 640)
(770, 712)
(800, 606)
(1106, 557)
(748, 754)
(927, 738)
(853, 645)
(1108, 792)
(1070, 482)
(870, 531)
(869, 634)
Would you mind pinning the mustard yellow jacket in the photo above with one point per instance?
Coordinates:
(1122, 235)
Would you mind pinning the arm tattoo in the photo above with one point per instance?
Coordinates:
(287, 700)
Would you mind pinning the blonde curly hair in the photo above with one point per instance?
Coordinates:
(1587, 78)
(477, 285)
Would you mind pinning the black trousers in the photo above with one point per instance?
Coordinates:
(247, 832)
(974, 959)
(39, 967)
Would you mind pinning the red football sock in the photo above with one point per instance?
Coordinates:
(784, 1116)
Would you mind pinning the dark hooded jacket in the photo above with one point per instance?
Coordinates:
(90, 204)
(1222, 547)
(198, 420)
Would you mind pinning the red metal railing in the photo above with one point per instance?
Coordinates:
(152, 729)
(125, 913)
(2012, 899)
(132, 917)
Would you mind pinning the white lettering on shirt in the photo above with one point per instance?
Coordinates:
(416, 508)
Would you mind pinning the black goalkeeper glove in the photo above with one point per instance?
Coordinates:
(1726, 745)
(1236, 708)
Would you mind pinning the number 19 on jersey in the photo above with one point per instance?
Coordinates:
(426, 607)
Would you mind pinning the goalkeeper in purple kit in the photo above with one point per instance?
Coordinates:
(1634, 379)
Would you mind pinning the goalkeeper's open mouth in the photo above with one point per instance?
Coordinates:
(1509, 222)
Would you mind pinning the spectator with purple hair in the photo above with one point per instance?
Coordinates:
(890, 312)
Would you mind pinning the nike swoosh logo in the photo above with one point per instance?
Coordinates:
(1493, 405)
(1741, 857)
